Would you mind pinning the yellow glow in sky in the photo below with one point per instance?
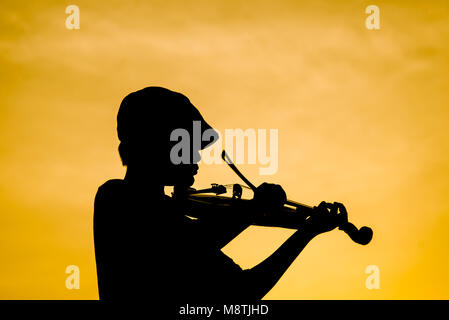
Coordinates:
(362, 118)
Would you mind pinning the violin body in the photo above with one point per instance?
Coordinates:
(292, 215)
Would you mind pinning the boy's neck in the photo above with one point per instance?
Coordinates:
(144, 181)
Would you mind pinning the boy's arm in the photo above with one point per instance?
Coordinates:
(259, 280)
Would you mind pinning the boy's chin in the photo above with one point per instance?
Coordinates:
(188, 181)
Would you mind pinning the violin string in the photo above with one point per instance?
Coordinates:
(229, 186)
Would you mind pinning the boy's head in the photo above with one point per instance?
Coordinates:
(145, 122)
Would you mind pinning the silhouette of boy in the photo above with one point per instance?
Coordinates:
(146, 245)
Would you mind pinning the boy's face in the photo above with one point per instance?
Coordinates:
(166, 161)
(179, 174)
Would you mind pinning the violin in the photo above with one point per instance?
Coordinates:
(291, 215)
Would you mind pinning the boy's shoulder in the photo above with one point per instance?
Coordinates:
(111, 187)
(112, 184)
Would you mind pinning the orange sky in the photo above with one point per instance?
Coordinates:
(361, 117)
